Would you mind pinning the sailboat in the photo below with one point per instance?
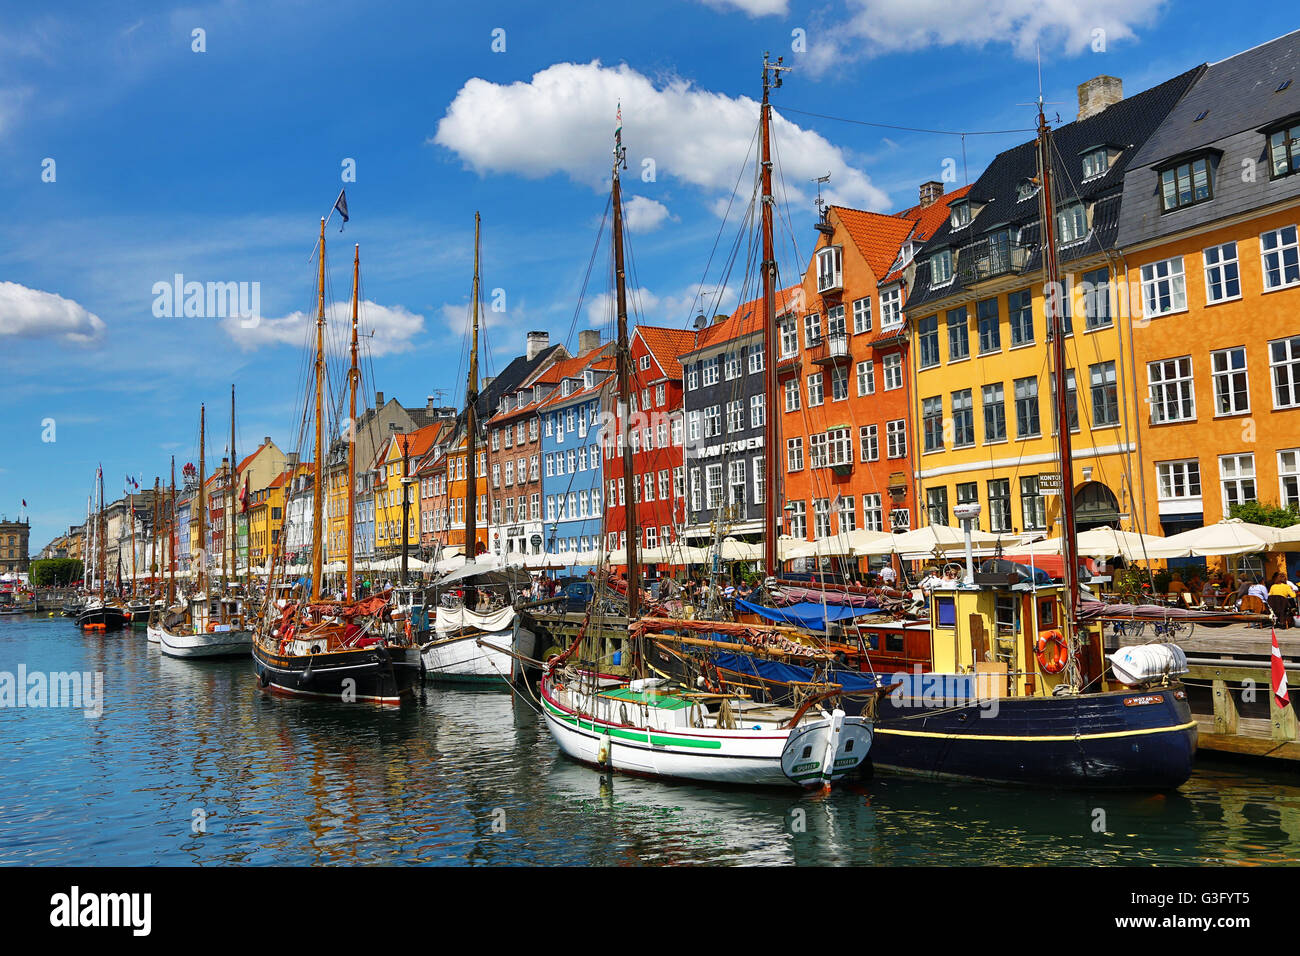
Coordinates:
(478, 634)
(100, 613)
(654, 724)
(1017, 690)
(349, 650)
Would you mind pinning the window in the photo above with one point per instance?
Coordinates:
(1178, 479)
(815, 393)
(733, 366)
(1096, 162)
(830, 269)
(1284, 151)
(896, 438)
(1222, 279)
(679, 482)
(1185, 184)
(1281, 255)
(1171, 395)
(1071, 223)
(757, 411)
(846, 512)
(995, 413)
(1288, 477)
(960, 215)
(789, 338)
(999, 504)
(794, 454)
(932, 423)
(1231, 387)
(709, 371)
(817, 452)
(755, 365)
(821, 518)
(958, 336)
(713, 482)
(1027, 424)
(840, 446)
(792, 395)
(664, 485)
(893, 366)
(869, 441)
(866, 377)
(927, 331)
(839, 383)
(1164, 288)
(835, 322)
(872, 514)
(1284, 359)
(812, 330)
(891, 308)
(1071, 400)
(1096, 299)
(736, 416)
(963, 419)
(986, 313)
(900, 519)
(1020, 317)
(1237, 479)
(648, 481)
(1033, 514)
(862, 314)
(692, 379)
(941, 268)
(936, 505)
(798, 511)
(1105, 394)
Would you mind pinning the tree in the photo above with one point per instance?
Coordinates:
(55, 572)
(1259, 512)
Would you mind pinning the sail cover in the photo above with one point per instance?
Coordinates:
(806, 614)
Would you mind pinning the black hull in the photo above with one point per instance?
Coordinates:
(109, 618)
(380, 675)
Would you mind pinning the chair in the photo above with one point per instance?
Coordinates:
(1253, 605)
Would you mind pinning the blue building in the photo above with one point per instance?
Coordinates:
(572, 485)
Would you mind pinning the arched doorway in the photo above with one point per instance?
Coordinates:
(1095, 505)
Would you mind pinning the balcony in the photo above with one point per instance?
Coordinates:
(831, 350)
(991, 257)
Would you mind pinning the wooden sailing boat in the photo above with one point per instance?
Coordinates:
(100, 613)
(477, 644)
(346, 650)
(652, 724)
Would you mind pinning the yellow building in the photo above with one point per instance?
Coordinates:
(396, 458)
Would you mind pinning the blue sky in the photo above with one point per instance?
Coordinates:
(218, 164)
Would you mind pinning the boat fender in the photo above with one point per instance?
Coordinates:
(1053, 642)
(264, 679)
(602, 756)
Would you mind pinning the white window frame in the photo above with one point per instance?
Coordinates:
(1221, 377)
(1164, 279)
(1286, 251)
(1221, 268)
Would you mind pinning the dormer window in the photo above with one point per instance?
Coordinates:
(1027, 189)
(588, 378)
(567, 388)
(1186, 183)
(1284, 150)
(960, 217)
(1071, 223)
(830, 269)
(504, 406)
(941, 268)
(521, 399)
(1096, 162)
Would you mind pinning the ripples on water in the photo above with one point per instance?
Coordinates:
(473, 777)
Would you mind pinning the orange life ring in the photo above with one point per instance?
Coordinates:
(1052, 651)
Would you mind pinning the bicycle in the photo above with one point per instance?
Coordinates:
(1173, 629)
(1131, 628)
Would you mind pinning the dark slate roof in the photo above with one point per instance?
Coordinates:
(1125, 125)
(1239, 97)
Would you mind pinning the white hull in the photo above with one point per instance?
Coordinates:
(154, 634)
(668, 744)
(208, 644)
(479, 655)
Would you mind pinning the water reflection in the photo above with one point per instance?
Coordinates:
(472, 777)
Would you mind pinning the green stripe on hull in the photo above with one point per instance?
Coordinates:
(637, 736)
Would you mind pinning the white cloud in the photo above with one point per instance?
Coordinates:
(645, 215)
(30, 313)
(383, 329)
(672, 310)
(562, 121)
(755, 8)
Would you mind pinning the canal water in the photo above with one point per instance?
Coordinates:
(191, 763)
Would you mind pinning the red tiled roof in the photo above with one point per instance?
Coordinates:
(931, 217)
(748, 318)
(666, 345)
(877, 236)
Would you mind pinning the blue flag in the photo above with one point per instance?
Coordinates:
(342, 206)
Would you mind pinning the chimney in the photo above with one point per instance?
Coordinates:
(931, 192)
(266, 440)
(720, 317)
(538, 342)
(488, 380)
(1099, 93)
(588, 339)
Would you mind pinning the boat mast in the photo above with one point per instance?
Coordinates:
(171, 542)
(319, 494)
(1056, 331)
(772, 498)
(130, 511)
(406, 503)
(202, 501)
(157, 527)
(352, 420)
(232, 476)
(101, 537)
(625, 384)
(471, 399)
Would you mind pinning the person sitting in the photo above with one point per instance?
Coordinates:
(1176, 585)
(1281, 601)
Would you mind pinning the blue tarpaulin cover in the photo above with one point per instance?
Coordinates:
(852, 681)
(805, 613)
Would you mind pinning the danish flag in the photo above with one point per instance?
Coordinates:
(1279, 675)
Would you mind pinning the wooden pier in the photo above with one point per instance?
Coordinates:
(1230, 689)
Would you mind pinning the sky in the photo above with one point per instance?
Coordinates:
(144, 141)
